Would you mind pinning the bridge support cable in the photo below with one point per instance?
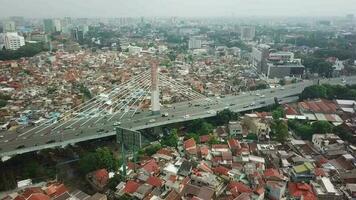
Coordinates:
(179, 91)
(115, 92)
(146, 84)
(125, 95)
(147, 92)
(72, 110)
(126, 90)
(180, 87)
(85, 105)
(143, 99)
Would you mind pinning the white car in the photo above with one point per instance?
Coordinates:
(211, 111)
(152, 120)
(262, 96)
(117, 123)
(186, 116)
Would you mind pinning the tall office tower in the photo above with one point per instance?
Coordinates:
(247, 33)
(57, 25)
(48, 26)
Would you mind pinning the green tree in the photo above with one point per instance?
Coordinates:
(101, 158)
(213, 140)
(200, 126)
(171, 139)
(226, 115)
(314, 91)
(321, 127)
(152, 149)
(278, 113)
(192, 135)
(3, 103)
(280, 130)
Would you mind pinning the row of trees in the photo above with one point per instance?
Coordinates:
(305, 129)
(329, 92)
(29, 50)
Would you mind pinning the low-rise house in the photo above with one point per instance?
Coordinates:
(327, 142)
(276, 189)
(303, 172)
(197, 192)
(324, 189)
(301, 191)
(235, 129)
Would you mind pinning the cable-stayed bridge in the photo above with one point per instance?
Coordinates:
(136, 105)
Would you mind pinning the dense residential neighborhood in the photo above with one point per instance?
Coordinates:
(177, 108)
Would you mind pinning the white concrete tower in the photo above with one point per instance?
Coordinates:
(155, 105)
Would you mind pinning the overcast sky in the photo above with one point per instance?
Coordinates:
(185, 8)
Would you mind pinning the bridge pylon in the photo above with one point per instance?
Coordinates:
(155, 105)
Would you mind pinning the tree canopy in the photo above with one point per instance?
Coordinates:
(101, 158)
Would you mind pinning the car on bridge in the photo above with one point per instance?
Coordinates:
(186, 116)
(152, 120)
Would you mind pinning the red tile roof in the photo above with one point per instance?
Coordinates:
(220, 146)
(151, 166)
(204, 150)
(233, 144)
(154, 181)
(301, 189)
(165, 151)
(101, 176)
(131, 187)
(221, 170)
(240, 187)
(32, 190)
(204, 138)
(319, 172)
(272, 173)
(190, 144)
(39, 196)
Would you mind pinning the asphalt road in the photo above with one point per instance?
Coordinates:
(81, 129)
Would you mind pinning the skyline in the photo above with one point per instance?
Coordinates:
(177, 8)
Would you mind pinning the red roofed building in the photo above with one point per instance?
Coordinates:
(32, 190)
(221, 170)
(154, 181)
(239, 187)
(233, 144)
(190, 146)
(204, 138)
(101, 178)
(301, 190)
(131, 187)
(39, 196)
(151, 167)
(56, 190)
(272, 174)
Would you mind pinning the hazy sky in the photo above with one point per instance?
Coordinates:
(186, 8)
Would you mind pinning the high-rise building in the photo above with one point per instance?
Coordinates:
(259, 56)
(247, 33)
(57, 25)
(9, 26)
(11, 41)
(48, 26)
(194, 43)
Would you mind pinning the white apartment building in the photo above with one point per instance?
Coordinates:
(11, 41)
